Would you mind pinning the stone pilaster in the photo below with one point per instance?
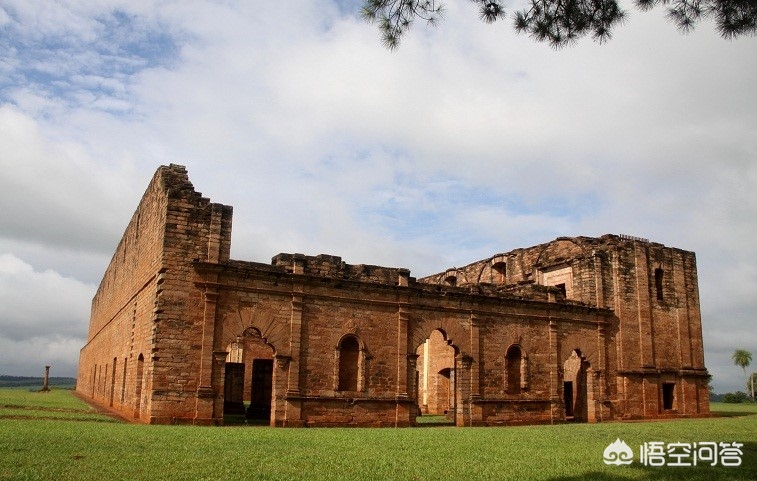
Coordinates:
(463, 365)
(293, 411)
(206, 394)
(475, 409)
(402, 359)
(555, 365)
(279, 404)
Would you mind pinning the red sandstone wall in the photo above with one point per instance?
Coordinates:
(139, 309)
(182, 354)
(654, 337)
(121, 320)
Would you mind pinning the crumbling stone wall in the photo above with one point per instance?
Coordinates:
(340, 344)
(652, 289)
(139, 309)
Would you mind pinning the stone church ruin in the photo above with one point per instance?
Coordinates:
(577, 329)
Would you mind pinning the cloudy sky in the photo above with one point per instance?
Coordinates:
(467, 141)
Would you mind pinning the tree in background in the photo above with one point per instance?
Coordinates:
(737, 397)
(562, 22)
(743, 358)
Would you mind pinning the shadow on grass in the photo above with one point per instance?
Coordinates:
(433, 420)
(747, 470)
(243, 420)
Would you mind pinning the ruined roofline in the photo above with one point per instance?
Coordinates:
(167, 178)
(178, 173)
(584, 241)
(526, 292)
(171, 181)
(329, 266)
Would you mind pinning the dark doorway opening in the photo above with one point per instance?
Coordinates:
(261, 390)
(568, 398)
(668, 391)
(233, 397)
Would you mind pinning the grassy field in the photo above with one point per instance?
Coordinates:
(56, 436)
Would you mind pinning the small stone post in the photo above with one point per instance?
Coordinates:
(45, 386)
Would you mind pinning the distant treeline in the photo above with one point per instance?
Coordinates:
(27, 381)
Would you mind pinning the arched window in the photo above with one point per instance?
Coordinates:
(516, 370)
(451, 277)
(499, 273)
(349, 364)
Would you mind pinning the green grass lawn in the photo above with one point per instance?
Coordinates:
(35, 448)
(23, 403)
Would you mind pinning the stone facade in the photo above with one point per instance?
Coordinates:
(581, 329)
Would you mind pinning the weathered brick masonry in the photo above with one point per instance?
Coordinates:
(582, 329)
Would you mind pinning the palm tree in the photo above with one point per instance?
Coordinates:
(743, 358)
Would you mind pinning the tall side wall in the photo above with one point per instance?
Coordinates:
(143, 293)
(119, 339)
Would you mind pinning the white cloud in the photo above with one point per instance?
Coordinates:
(43, 317)
(52, 192)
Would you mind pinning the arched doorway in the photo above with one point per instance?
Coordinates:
(436, 378)
(575, 387)
(248, 378)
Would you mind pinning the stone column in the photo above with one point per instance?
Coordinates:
(46, 381)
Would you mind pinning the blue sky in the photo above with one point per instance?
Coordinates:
(466, 141)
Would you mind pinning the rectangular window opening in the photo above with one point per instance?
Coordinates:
(668, 390)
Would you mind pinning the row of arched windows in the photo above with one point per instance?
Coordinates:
(351, 365)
